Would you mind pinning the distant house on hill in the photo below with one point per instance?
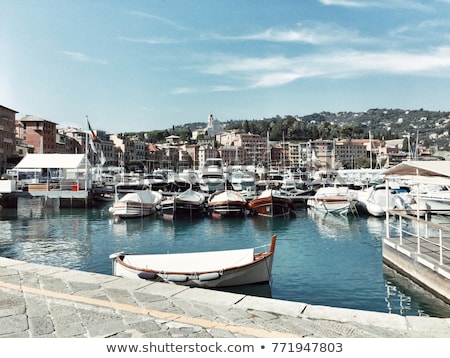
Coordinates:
(212, 128)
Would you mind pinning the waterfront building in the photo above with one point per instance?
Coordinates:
(7, 137)
(67, 144)
(205, 152)
(154, 157)
(231, 155)
(349, 152)
(298, 154)
(322, 154)
(255, 149)
(128, 149)
(38, 133)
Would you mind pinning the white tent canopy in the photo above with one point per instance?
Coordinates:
(56, 161)
(422, 171)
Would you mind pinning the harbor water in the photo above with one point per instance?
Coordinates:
(320, 259)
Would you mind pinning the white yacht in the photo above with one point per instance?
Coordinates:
(212, 177)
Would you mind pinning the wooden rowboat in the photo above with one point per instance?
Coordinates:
(209, 269)
(225, 203)
(270, 203)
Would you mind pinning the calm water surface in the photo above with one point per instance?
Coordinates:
(320, 259)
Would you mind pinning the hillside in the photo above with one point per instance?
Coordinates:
(431, 127)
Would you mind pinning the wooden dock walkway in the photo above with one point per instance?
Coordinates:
(420, 250)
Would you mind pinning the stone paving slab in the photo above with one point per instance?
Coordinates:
(44, 301)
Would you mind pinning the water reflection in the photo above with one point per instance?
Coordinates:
(35, 233)
(399, 293)
(271, 225)
(331, 226)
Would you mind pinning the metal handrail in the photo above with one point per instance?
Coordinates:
(420, 239)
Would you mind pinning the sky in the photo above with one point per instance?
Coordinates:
(141, 65)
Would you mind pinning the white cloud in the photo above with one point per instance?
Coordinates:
(387, 4)
(184, 90)
(277, 71)
(149, 41)
(157, 18)
(80, 57)
(310, 33)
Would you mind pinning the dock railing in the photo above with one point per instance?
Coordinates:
(420, 230)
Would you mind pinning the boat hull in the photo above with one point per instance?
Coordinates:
(330, 205)
(182, 210)
(188, 204)
(133, 210)
(259, 272)
(227, 203)
(333, 200)
(269, 205)
(271, 208)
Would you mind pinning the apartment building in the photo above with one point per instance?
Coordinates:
(7, 137)
(38, 133)
(348, 151)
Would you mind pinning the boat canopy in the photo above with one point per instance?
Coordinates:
(422, 171)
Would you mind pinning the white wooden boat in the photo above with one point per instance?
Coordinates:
(137, 204)
(225, 203)
(209, 269)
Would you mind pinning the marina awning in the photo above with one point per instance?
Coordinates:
(422, 171)
(57, 161)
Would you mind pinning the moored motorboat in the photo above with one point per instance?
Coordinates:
(270, 203)
(209, 269)
(243, 181)
(137, 204)
(188, 204)
(375, 200)
(333, 200)
(226, 203)
(212, 176)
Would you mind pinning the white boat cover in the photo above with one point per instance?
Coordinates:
(227, 195)
(191, 196)
(144, 197)
(191, 262)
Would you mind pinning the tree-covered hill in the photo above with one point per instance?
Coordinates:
(431, 127)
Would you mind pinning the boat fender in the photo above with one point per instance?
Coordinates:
(147, 275)
(209, 276)
(177, 278)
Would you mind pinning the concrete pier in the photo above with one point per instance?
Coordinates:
(46, 301)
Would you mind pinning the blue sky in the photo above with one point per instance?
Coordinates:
(143, 65)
